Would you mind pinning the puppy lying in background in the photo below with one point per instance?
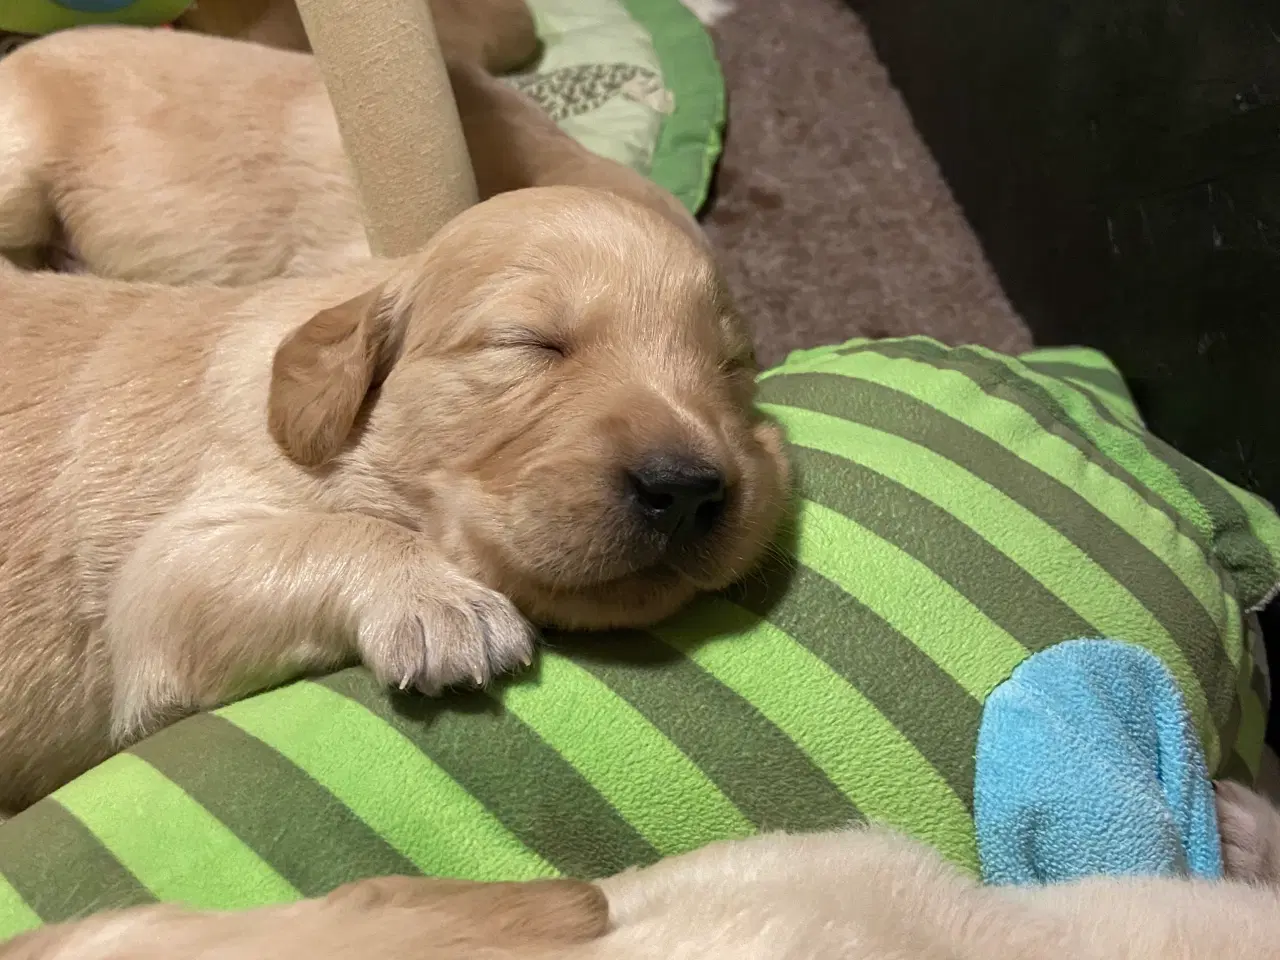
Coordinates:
(496, 34)
(547, 414)
(180, 158)
(862, 894)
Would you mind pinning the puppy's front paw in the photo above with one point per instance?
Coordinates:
(1250, 830)
(434, 631)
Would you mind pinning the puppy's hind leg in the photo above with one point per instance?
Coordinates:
(1250, 829)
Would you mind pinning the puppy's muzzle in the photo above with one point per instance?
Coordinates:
(679, 497)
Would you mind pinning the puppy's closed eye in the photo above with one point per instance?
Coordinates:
(526, 338)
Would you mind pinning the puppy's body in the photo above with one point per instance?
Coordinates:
(857, 895)
(106, 140)
(180, 158)
(496, 34)
(210, 489)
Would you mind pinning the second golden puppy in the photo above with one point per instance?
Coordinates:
(179, 158)
(547, 415)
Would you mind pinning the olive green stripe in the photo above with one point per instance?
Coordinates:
(663, 685)
(1258, 679)
(1253, 720)
(933, 615)
(1108, 381)
(241, 781)
(1233, 548)
(1004, 592)
(1230, 730)
(885, 777)
(531, 789)
(623, 740)
(1263, 522)
(1057, 563)
(1239, 549)
(1235, 768)
(993, 376)
(1125, 558)
(877, 660)
(1207, 516)
(15, 916)
(60, 869)
(998, 379)
(1223, 511)
(185, 854)
(375, 790)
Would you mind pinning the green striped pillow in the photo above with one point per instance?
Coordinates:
(960, 510)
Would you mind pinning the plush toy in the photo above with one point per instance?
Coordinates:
(1008, 621)
(38, 17)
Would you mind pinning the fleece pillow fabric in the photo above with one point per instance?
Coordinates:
(636, 81)
(959, 514)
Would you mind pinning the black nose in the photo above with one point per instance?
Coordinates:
(680, 498)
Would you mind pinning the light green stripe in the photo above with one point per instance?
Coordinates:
(1253, 720)
(583, 702)
(1080, 356)
(1064, 569)
(1116, 405)
(143, 818)
(375, 789)
(17, 916)
(932, 614)
(1131, 452)
(1121, 445)
(824, 714)
(955, 395)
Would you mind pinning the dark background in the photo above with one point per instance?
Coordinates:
(1120, 163)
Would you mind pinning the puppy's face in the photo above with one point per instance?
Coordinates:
(569, 400)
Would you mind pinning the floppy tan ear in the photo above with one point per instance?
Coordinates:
(323, 372)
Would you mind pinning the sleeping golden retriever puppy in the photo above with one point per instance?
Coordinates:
(546, 415)
(179, 158)
(856, 895)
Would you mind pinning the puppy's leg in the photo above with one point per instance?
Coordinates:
(1250, 828)
(514, 144)
(498, 35)
(213, 604)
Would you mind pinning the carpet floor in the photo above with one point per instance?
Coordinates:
(828, 213)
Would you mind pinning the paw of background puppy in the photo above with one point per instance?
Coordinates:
(1250, 830)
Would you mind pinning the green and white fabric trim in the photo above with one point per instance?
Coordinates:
(636, 81)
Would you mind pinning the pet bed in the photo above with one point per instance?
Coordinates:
(1007, 620)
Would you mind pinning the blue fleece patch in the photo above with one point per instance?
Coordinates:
(1088, 763)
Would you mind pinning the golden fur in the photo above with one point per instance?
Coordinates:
(206, 490)
(180, 158)
(854, 895)
(496, 34)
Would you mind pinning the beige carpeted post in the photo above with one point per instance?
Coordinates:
(390, 91)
